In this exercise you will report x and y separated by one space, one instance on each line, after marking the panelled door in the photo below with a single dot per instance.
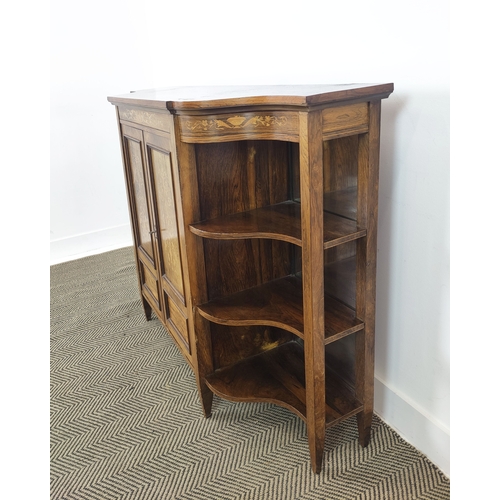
165 189
142 214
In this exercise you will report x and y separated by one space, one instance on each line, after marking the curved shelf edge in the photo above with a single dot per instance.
249 322
226 235
281 221
214 387
277 376
279 303
278 222
276 303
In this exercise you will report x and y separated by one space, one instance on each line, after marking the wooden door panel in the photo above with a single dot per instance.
150 288
177 325
164 193
137 184
143 221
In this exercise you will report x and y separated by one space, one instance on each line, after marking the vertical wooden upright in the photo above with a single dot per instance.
199 328
311 193
366 268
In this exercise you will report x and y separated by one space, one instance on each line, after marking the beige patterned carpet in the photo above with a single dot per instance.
126 422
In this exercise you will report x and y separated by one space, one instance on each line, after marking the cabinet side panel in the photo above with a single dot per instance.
340 273
340 177
340 158
340 357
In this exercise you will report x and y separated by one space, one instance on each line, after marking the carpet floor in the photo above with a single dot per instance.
126 422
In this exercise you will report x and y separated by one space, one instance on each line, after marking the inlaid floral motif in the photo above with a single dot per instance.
237 122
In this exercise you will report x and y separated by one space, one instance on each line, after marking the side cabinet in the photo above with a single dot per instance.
254 212
152 178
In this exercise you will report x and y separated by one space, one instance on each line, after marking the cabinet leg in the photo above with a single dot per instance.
316 448
206 398
364 383
147 309
202 359
364 427
315 395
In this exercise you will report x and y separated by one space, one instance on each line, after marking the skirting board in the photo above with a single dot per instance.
82 245
413 424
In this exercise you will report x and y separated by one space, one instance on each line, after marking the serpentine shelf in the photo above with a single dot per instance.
278 376
279 303
281 222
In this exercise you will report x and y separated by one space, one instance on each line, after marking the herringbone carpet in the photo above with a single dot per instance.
126 422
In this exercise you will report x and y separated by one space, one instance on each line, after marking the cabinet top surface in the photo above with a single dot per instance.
197 98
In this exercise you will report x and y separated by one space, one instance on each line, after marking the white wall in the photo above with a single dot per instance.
101 48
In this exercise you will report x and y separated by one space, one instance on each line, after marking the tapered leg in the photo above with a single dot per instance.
364 386
147 308
364 427
204 363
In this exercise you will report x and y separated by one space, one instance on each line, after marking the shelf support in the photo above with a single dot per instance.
200 335
311 194
366 257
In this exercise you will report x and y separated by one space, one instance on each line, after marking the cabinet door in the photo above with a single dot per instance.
142 214
164 186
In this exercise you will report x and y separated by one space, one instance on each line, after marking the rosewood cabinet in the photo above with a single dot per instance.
254 214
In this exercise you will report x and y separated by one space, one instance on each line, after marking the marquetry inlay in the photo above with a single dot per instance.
282 125
160 121
237 122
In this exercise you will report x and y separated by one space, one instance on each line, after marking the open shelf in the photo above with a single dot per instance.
340 280
281 222
279 303
343 202
278 376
